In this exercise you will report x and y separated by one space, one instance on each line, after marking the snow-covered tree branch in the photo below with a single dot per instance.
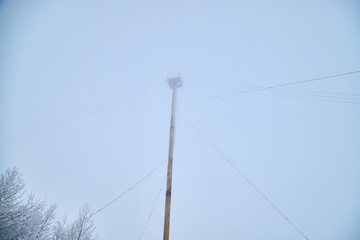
23 218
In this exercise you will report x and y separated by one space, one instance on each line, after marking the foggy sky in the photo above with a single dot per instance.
85 112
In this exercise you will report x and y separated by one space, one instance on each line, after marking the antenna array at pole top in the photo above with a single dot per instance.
174 80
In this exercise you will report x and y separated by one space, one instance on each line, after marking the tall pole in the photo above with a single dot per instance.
174 83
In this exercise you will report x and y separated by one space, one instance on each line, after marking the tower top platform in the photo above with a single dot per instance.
174 80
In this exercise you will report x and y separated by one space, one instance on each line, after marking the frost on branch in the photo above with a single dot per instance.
23 217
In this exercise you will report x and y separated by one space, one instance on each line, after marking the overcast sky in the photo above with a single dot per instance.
85 112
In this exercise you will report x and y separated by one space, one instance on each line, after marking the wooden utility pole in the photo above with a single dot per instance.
175 82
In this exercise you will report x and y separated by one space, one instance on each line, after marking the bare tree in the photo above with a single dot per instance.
48 216
22 217
60 229
12 189
81 229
